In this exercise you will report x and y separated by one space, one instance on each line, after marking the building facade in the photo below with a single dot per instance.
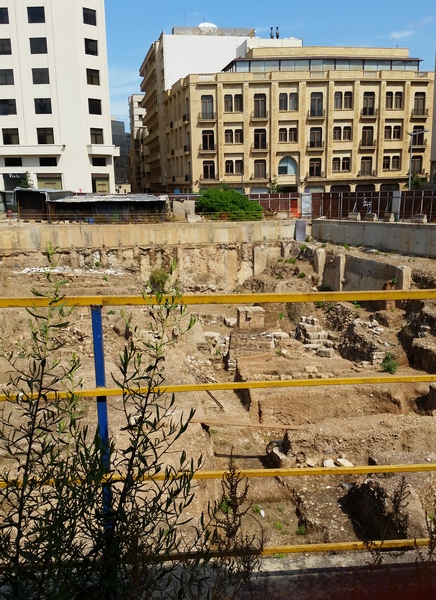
283 116
54 96
137 136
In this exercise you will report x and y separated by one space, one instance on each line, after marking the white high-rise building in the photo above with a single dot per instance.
55 117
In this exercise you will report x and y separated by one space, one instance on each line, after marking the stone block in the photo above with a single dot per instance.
353 216
370 217
343 462
328 462
230 321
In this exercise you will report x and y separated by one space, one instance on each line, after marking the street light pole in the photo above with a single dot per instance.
412 134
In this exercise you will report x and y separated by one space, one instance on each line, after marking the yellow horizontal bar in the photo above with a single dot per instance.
243 385
257 473
404 544
191 299
344 546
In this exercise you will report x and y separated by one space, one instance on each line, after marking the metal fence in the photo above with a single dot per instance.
101 392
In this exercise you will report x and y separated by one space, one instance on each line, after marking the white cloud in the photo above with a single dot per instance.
399 35
424 21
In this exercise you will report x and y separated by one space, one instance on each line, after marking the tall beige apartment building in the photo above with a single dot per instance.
300 118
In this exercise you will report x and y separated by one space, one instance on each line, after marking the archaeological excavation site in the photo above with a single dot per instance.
310 425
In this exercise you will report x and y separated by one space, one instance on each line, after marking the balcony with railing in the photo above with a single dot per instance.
369 112
315 175
367 173
207 149
318 145
315 114
207 116
259 115
259 148
367 144
419 113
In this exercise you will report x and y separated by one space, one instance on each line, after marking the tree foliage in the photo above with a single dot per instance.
229 204
70 529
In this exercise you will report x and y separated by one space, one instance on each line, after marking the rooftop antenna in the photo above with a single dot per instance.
271 33
277 33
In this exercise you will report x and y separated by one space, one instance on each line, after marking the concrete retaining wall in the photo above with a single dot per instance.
19 236
405 238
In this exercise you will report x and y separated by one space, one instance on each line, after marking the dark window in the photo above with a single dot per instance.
416 164
368 103
228 103
315 137
337 134
38 45
13 161
8 107
5 46
338 103
398 101
396 132
4 16
207 107
283 134
89 16
346 133
367 136
395 165
92 76
336 164
316 109
293 101
36 14
418 136
388 132
239 105
283 101
208 139
348 100
239 136
43 106
386 163
366 165
346 163
94 106
389 101
293 134
239 167
40 76
96 135
45 135
260 139
260 169
229 167
91 47
98 161
6 77
260 106
10 137
48 161
315 167
419 103
208 169
228 136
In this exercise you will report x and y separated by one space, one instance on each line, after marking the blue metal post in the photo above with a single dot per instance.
102 415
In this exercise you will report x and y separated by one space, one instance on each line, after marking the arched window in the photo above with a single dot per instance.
287 166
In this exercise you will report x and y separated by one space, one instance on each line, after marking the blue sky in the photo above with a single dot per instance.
133 25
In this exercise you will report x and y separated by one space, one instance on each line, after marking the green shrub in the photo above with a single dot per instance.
301 275
389 364
229 204
158 280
